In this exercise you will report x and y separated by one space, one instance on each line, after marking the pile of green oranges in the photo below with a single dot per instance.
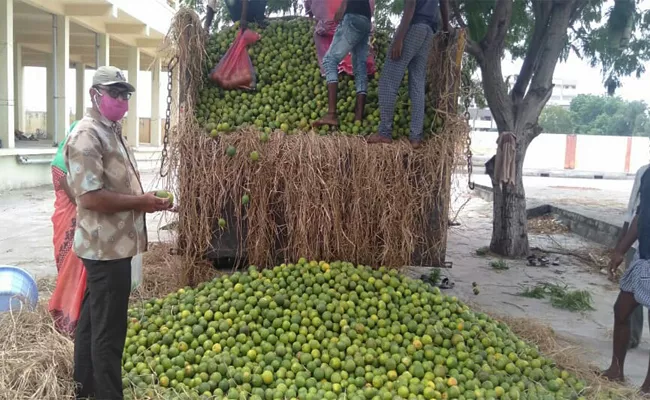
290 92
315 330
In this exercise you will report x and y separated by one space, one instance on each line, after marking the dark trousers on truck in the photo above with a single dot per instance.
101 331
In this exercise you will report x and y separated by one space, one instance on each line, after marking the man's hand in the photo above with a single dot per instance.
396 49
615 261
149 203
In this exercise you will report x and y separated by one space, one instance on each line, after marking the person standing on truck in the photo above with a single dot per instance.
244 11
409 50
110 231
352 35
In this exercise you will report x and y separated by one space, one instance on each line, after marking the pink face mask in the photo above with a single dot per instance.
113 109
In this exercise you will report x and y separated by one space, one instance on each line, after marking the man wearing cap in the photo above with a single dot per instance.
111 230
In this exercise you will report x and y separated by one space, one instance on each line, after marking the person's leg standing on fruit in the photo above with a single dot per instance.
409 51
351 35
359 58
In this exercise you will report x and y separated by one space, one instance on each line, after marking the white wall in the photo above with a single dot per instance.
546 152
593 153
601 153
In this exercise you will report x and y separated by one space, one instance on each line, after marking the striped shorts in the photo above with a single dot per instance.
636 280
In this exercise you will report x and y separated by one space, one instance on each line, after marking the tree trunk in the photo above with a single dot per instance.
510 224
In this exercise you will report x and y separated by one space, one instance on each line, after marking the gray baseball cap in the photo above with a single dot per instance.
108 76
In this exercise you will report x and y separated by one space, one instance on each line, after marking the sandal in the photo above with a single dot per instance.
445 283
532 261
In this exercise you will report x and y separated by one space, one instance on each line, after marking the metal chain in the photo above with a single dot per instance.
467 104
168 113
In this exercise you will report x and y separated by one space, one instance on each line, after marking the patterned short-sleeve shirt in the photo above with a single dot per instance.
98 157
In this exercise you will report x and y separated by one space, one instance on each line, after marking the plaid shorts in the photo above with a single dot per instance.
636 280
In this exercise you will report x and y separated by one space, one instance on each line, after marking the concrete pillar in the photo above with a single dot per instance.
132 121
19 100
51 81
62 62
103 49
156 137
80 99
7 113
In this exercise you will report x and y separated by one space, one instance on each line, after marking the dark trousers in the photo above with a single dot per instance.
101 331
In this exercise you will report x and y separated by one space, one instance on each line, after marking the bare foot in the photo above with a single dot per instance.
377 138
611 375
328 119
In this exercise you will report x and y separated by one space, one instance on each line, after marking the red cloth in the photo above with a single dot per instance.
65 303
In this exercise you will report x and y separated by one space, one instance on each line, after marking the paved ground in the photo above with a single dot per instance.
605 200
26 241
26 237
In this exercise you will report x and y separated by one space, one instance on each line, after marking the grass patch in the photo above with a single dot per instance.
483 251
499 265
561 296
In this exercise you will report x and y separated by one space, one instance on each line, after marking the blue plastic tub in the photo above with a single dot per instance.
17 289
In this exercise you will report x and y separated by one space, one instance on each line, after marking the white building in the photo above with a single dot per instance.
79 34
564 91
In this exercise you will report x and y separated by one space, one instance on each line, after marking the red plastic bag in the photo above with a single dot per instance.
235 69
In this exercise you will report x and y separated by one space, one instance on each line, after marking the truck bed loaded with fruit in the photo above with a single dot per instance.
258 183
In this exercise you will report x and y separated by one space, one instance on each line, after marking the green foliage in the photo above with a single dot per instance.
499 265
561 296
556 119
599 115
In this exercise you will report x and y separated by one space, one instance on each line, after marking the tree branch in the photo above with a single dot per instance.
499 24
541 85
542 11
496 91
455 9
473 49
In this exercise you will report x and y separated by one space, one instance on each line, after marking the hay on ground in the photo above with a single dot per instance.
568 356
35 359
162 272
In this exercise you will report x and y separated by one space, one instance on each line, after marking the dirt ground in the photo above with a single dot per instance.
26 241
